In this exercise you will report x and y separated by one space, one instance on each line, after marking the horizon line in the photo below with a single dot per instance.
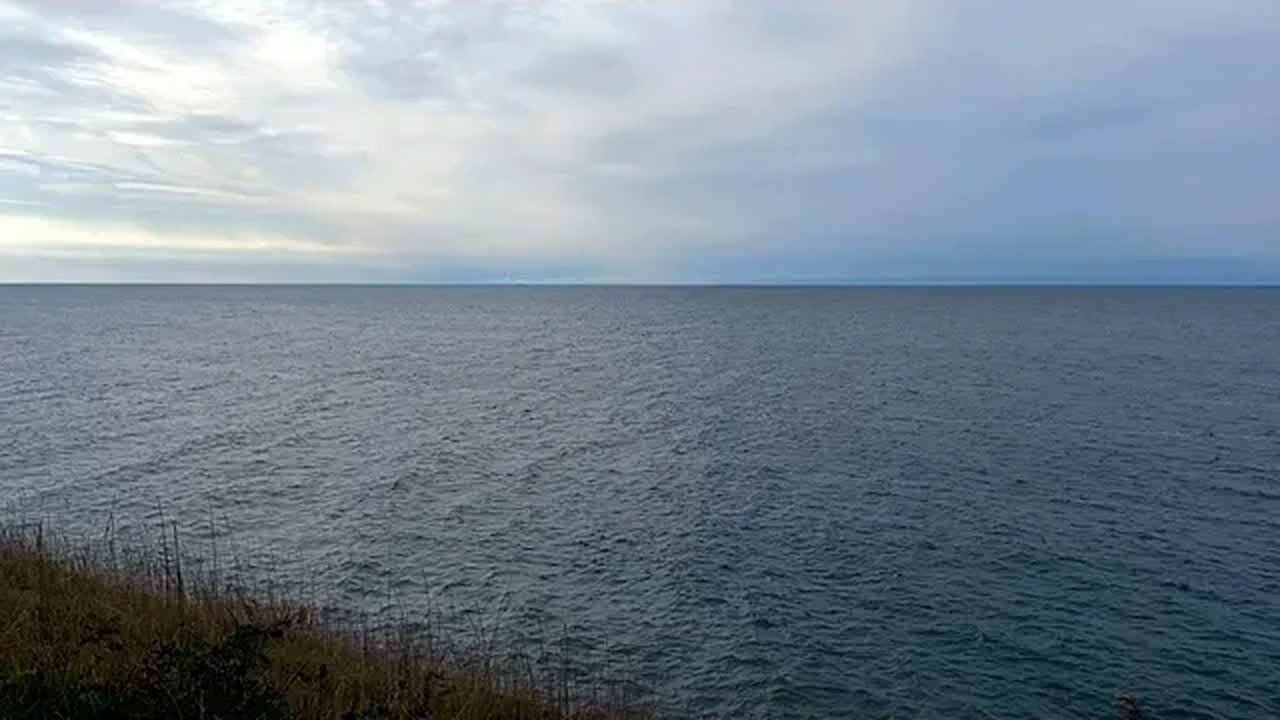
672 284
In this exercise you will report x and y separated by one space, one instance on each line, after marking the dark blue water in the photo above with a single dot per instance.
949 503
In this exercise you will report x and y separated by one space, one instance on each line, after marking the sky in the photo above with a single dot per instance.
629 141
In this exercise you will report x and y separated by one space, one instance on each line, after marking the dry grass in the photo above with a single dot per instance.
83 638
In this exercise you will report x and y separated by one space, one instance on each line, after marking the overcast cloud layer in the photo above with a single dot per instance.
640 141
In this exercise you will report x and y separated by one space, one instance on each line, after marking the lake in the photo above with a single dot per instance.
759 502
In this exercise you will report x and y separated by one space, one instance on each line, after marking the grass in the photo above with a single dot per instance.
106 636
86 637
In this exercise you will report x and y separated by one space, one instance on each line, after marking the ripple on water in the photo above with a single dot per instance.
772 503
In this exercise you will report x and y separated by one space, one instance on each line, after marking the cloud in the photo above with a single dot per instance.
667 140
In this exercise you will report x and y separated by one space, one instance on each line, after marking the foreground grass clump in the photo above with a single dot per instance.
81 638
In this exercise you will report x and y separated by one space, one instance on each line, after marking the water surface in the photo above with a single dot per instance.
945 503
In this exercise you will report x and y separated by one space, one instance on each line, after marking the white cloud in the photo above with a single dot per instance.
16 232
635 139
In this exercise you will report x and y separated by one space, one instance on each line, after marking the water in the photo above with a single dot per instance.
950 503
